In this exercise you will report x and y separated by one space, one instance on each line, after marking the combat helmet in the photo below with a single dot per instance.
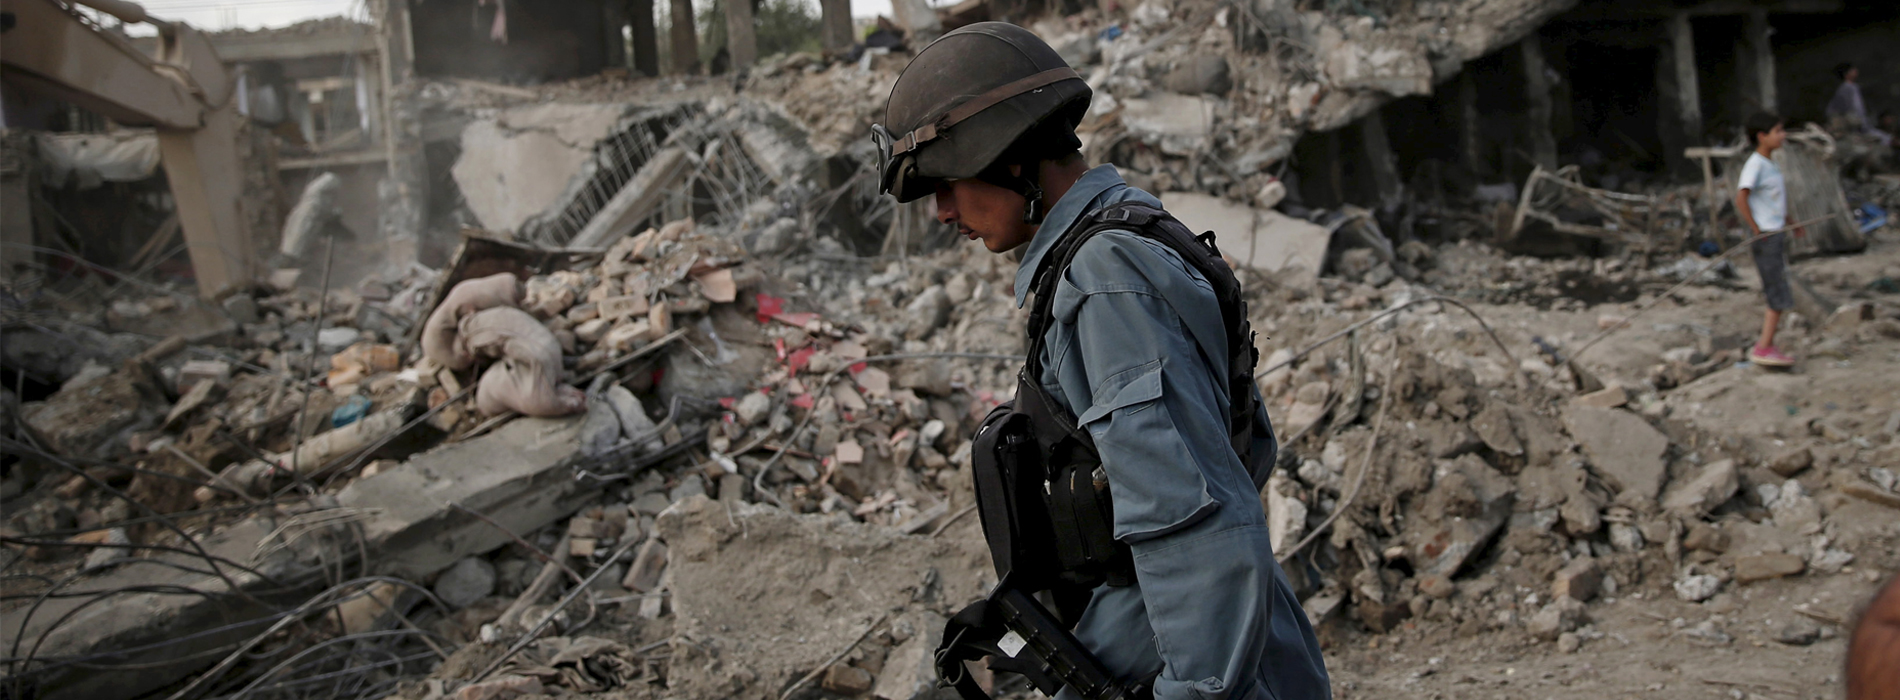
965 100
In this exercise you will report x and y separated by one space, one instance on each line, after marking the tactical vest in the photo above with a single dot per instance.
1041 491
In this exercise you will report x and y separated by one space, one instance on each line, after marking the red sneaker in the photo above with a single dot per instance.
1769 357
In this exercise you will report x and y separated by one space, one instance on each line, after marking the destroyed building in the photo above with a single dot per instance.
1523 452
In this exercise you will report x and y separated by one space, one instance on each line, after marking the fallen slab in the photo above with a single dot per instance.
517 475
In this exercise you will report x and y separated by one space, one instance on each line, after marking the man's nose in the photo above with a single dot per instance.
946 208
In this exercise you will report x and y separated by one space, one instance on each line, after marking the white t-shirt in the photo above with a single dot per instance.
1767 193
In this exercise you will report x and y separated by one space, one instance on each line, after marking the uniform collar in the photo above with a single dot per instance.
1072 206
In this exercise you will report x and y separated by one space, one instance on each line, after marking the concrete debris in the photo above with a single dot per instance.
685 380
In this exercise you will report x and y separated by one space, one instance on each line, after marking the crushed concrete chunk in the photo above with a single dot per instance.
1625 450
1715 483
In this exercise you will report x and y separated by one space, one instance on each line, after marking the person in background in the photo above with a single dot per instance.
1762 200
1848 110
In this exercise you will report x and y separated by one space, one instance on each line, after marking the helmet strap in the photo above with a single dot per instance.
998 174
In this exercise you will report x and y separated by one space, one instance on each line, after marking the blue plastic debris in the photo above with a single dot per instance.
1870 216
351 411
1708 249
1113 32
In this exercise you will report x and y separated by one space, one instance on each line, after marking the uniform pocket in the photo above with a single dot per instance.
1157 484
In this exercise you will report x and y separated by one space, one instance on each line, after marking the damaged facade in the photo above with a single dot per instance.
1512 397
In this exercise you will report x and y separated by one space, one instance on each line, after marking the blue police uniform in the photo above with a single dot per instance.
1136 350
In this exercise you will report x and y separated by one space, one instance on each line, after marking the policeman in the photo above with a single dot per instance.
1136 352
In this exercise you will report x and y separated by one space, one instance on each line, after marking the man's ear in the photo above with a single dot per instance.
1016 170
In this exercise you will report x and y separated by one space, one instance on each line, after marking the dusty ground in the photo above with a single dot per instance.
1647 642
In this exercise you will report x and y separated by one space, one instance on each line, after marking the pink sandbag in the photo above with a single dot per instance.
526 377
464 300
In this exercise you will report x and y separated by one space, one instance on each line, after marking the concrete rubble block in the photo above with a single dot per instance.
925 377
1791 462
1493 426
649 565
1761 567
1608 397
1794 511
616 308
516 164
1714 484
1697 587
752 408
910 671
1579 580
845 679
1624 450
501 687
466 583
1562 615
1286 513
634 421
1847 319
1263 239
1467 506
84 418
1391 63
1706 537
926 313
315 207
831 580
1175 123
1200 73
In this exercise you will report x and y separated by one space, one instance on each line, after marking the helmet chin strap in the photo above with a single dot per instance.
1033 207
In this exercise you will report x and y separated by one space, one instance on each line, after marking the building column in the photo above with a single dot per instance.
1537 94
1384 167
1755 63
405 190
684 37
1468 126
1687 95
646 42
742 34
836 25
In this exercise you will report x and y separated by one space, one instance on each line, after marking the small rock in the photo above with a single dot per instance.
1569 642
1794 511
1579 580
845 679
926 313
651 503
1559 616
1609 397
752 408
1697 588
334 339
1379 275
466 582
102 556
242 308
1790 463
1800 632
1608 321
690 486
1200 73
1846 319
1715 483
501 688
1761 567
1706 537
1437 586
1626 537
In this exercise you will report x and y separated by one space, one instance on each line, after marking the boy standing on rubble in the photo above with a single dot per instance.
1762 200
1134 359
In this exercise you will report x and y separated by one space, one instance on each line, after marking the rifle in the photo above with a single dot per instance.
1020 636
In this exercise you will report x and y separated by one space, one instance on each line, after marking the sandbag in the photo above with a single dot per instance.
464 300
526 376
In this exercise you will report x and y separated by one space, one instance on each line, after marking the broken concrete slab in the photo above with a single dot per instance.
1468 504
845 573
516 475
517 164
1263 239
636 200
86 418
1624 450
1175 123
1715 483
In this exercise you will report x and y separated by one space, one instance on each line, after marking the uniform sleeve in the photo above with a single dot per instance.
1183 502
